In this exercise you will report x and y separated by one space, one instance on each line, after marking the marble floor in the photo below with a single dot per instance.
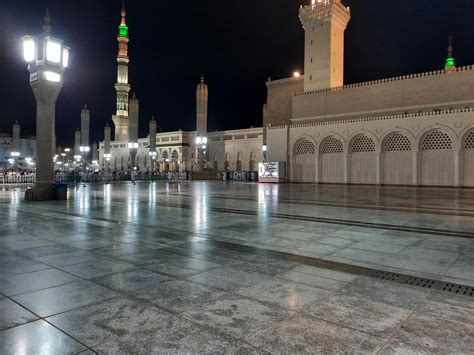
215 267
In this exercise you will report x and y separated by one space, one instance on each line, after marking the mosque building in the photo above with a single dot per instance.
411 130
200 150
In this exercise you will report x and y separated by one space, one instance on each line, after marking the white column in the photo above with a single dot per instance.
318 169
347 169
416 168
458 173
379 167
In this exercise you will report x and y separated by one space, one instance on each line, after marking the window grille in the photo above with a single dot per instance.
437 140
332 145
304 147
363 144
397 142
469 142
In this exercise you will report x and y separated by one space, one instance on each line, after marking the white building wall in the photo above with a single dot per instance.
432 149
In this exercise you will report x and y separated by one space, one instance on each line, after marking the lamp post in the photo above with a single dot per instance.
48 58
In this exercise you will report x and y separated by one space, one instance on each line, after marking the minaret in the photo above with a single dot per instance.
95 153
133 129
16 139
324 22
77 144
152 143
85 129
107 137
122 86
450 64
202 99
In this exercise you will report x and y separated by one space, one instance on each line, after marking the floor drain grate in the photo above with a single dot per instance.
459 289
420 282
355 270
384 275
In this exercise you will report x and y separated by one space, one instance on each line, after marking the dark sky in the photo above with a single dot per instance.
237 44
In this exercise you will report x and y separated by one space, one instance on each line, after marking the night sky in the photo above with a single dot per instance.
236 44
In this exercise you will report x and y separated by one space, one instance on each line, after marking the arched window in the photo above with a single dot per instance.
331 145
362 144
174 155
469 141
397 142
437 140
304 147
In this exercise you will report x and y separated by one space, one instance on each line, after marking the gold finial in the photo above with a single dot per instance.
450 47
124 14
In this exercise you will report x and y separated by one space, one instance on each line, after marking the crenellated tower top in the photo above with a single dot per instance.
324 11
324 22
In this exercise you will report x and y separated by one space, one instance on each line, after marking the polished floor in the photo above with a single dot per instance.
214 267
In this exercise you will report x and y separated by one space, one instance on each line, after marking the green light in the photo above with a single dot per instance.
450 63
123 31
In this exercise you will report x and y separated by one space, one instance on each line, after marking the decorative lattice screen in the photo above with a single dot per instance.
469 142
165 155
304 147
331 145
397 142
363 144
174 155
437 140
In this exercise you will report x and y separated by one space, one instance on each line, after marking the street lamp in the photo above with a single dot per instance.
48 58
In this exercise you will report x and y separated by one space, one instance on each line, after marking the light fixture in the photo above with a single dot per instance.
66 57
264 148
132 145
296 74
52 76
29 49
53 51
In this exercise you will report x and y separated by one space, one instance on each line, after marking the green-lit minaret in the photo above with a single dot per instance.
450 64
121 118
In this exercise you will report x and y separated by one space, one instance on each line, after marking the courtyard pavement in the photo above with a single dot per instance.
215 267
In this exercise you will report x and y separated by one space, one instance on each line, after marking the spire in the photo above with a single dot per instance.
123 28
152 118
202 78
450 64
47 22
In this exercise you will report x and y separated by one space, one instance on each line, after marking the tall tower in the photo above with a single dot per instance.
122 86
77 144
202 99
133 130
324 22
85 128
107 155
152 153
16 139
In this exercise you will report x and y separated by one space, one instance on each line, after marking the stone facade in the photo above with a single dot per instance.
411 130
238 150
431 149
